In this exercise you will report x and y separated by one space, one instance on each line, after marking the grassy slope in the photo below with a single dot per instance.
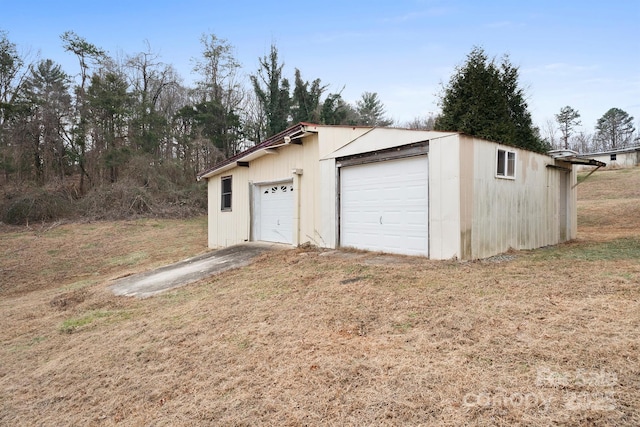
303 337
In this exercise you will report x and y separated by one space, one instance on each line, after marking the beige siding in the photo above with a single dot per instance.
229 228
333 138
467 212
328 229
444 198
523 213
232 227
314 212
311 182
280 166
376 139
572 208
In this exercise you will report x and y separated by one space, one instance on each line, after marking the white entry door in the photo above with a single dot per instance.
384 206
275 213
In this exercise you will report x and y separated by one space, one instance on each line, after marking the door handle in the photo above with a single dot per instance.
380 220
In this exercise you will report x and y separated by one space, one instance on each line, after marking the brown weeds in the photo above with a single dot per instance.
308 337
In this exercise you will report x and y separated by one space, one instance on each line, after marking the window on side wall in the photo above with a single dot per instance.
226 193
614 157
506 164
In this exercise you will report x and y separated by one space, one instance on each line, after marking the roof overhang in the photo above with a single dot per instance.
572 157
292 135
584 161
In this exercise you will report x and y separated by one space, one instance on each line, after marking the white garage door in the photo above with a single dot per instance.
275 213
384 206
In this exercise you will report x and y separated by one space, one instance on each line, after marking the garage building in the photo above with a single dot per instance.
440 195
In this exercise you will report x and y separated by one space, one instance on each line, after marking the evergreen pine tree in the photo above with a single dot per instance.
484 99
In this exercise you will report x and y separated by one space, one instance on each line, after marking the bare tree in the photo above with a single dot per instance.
148 78
253 119
218 69
582 142
549 132
422 122
14 68
220 94
171 100
13 72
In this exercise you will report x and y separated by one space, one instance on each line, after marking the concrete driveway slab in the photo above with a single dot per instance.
143 285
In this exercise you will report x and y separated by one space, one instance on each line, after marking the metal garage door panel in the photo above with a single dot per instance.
384 206
276 213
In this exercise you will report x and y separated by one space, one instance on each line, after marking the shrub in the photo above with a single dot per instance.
120 200
34 205
146 188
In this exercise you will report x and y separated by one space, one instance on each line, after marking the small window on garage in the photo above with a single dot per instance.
614 157
226 193
506 164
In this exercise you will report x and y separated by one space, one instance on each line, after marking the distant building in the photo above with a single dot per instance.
615 159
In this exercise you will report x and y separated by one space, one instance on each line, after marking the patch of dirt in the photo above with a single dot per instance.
68 300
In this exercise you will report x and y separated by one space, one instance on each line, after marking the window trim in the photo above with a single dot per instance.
223 205
506 169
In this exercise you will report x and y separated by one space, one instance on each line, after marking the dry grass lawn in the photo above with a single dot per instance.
308 337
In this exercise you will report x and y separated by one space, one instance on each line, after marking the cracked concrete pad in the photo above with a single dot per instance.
171 276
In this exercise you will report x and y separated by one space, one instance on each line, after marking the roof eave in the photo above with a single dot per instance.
281 139
582 161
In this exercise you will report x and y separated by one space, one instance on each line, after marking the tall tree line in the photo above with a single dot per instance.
613 130
93 124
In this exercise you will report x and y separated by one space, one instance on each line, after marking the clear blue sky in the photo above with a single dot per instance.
582 53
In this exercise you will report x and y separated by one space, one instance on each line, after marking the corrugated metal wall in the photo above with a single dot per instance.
444 197
473 214
520 213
